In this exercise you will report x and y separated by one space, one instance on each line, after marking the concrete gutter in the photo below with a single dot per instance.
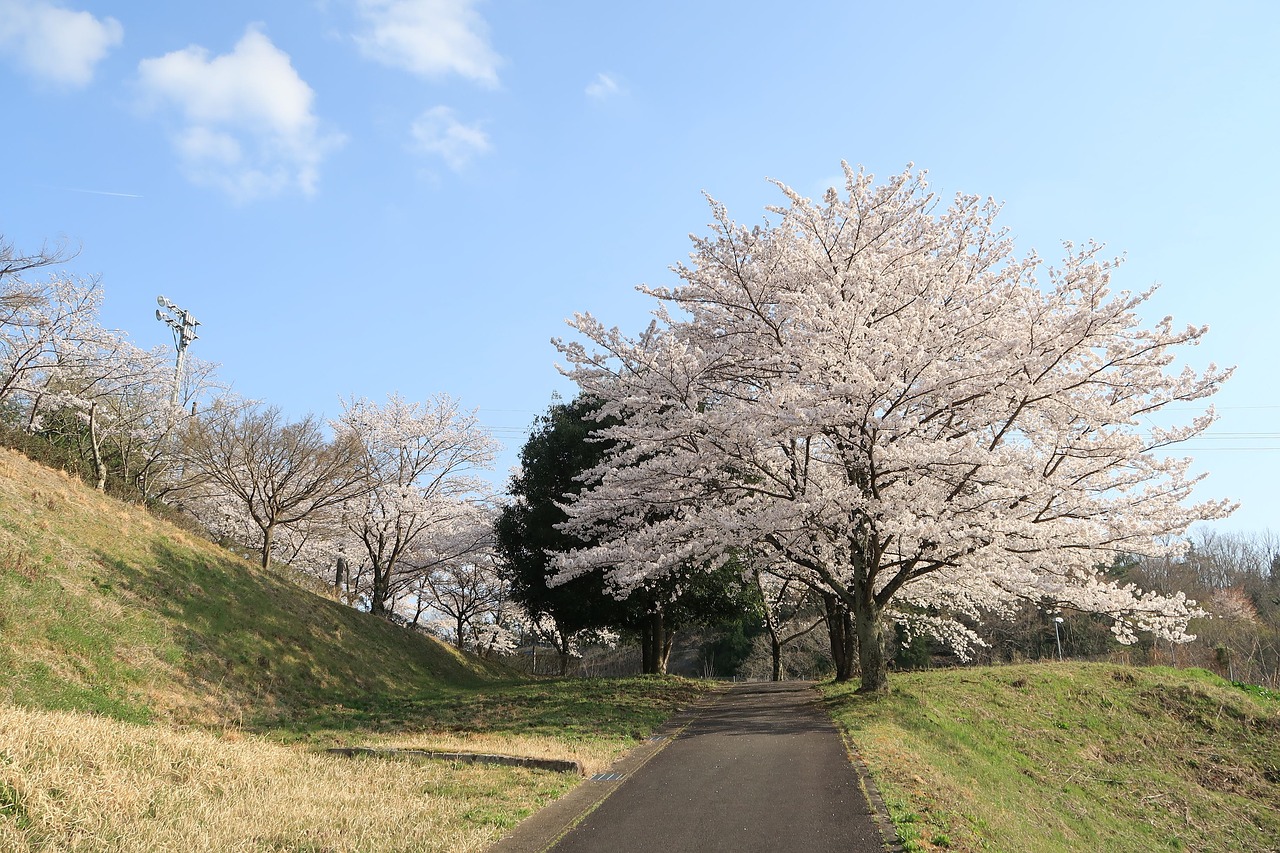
879 810
555 764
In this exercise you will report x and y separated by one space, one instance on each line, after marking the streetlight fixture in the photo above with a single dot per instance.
184 332
1057 620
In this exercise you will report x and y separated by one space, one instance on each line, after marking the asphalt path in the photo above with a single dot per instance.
761 770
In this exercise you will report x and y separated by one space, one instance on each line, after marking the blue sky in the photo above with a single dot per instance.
370 196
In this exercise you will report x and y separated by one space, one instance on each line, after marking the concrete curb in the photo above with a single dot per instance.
543 828
556 764
879 811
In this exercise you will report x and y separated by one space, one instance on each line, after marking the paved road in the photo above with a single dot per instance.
761 770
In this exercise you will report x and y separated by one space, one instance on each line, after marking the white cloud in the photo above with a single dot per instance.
438 132
604 86
248 126
53 43
431 38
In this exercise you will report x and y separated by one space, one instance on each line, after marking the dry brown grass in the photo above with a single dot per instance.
74 782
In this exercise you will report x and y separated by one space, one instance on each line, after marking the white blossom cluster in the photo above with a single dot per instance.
876 392
423 512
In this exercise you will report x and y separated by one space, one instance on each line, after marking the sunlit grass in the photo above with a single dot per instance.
1068 757
77 782
591 721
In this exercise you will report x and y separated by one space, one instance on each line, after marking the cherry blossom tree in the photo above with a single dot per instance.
875 390
112 399
462 596
43 323
145 427
102 387
80 386
422 506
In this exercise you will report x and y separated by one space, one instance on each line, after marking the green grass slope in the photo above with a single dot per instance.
104 608
1071 757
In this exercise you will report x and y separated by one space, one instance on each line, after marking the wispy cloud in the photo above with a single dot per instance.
438 132
430 38
247 125
604 86
54 44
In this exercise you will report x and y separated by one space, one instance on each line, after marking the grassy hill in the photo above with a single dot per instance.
159 693
1052 758
107 609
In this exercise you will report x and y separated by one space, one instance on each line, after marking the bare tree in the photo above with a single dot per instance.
276 473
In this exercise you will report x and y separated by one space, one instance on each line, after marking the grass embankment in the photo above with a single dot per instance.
105 608
1058 758
159 693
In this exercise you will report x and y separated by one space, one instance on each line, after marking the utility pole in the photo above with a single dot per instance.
184 332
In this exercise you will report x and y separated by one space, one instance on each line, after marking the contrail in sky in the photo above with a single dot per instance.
94 192
102 192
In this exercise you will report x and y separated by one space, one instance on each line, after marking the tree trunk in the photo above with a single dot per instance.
871 655
655 644
268 539
776 648
562 643
381 590
668 640
99 467
343 572
841 634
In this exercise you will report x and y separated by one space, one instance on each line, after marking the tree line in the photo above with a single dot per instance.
865 427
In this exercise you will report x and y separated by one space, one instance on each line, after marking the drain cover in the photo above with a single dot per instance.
606 777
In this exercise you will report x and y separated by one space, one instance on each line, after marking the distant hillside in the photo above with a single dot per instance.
1066 757
105 608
